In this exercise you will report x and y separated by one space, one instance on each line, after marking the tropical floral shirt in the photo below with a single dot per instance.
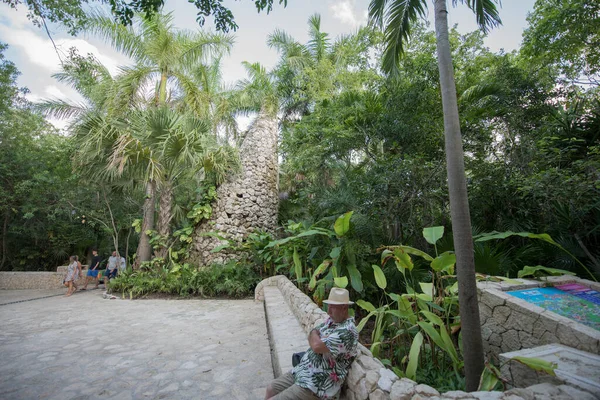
324 375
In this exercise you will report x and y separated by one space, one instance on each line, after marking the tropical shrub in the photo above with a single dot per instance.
230 280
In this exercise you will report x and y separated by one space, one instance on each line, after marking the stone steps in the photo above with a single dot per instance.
286 335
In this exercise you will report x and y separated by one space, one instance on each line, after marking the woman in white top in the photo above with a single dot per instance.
72 275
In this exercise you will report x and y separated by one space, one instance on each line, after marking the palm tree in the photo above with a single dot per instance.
153 145
396 18
165 59
308 72
177 145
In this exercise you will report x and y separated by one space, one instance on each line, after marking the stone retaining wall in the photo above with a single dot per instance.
509 323
369 379
36 280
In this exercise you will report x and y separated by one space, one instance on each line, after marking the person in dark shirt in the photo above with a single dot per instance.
93 270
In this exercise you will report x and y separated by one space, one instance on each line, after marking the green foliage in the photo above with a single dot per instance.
537 364
203 209
564 35
539 270
543 236
231 280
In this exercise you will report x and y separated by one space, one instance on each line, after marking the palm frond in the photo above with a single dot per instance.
486 12
122 38
397 18
60 109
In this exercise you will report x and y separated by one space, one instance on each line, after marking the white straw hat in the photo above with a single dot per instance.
338 296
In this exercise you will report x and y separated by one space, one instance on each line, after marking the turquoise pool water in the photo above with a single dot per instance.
573 301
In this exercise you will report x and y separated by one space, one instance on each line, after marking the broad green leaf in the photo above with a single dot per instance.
311 232
386 255
430 330
365 305
364 320
398 372
386 362
413 251
342 224
503 235
537 364
395 313
427 288
444 261
341 282
433 234
335 252
394 296
297 264
454 288
413 356
405 308
379 277
508 280
403 261
434 319
490 377
355 277
449 345
532 271
375 349
320 270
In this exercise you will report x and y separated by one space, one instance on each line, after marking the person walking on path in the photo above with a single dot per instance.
323 368
93 269
78 272
111 268
71 275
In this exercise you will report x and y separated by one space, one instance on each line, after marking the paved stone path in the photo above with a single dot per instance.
14 296
86 347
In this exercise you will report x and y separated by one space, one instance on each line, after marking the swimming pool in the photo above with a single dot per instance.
573 301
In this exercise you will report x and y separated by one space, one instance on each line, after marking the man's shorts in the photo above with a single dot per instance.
285 389
111 274
92 272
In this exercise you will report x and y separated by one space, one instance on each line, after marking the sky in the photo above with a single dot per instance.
32 52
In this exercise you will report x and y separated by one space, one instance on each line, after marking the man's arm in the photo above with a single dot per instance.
316 344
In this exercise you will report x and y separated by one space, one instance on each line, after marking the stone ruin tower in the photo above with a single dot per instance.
249 201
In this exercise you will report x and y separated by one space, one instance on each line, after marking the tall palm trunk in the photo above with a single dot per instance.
144 250
165 213
459 207
248 202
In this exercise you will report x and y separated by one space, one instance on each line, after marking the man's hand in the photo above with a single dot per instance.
316 344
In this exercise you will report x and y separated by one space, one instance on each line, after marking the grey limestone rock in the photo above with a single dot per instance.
426 390
402 389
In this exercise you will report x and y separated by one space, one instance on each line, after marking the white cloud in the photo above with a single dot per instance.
39 50
54 92
348 13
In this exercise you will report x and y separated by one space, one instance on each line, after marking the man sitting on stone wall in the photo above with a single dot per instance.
323 368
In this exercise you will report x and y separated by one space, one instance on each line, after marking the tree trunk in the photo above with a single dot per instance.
127 243
165 213
144 250
459 207
165 209
249 201
4 239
